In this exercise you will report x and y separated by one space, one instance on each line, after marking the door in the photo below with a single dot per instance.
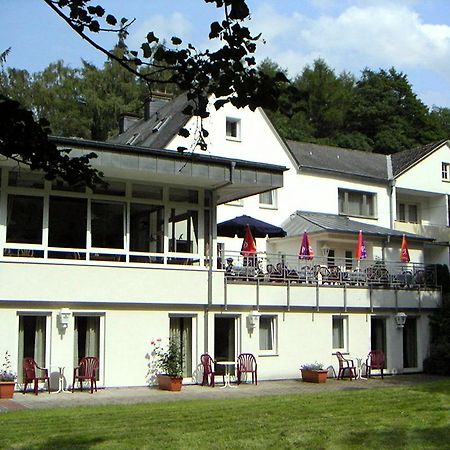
32 340
378 335
87 337
181 330
410 343
225 339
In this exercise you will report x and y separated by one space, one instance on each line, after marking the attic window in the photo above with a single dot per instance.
446 171
132 139
233 129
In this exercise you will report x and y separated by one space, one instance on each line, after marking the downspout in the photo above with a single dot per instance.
211 252
390 188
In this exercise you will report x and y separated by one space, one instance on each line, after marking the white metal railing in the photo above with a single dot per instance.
321 270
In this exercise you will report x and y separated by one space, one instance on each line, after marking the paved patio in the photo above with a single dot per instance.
115 396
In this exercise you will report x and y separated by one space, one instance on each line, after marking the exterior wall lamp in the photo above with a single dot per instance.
400 319
252 320
64 317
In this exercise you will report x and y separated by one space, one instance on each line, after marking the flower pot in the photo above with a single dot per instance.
7 389
169 383
314 376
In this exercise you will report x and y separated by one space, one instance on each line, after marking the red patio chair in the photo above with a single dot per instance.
86 371
345 365
246 363
33 373
375 360
208 369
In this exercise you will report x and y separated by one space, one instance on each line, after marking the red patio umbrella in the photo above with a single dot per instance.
248 246
361 250
404 252
306 251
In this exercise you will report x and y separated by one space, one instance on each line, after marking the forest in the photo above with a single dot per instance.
376 111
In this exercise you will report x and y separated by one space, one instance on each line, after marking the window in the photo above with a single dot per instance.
25 215
267 334
183 231
348 260
356 203
146 228
233 129
446 171
340 332
183 195
407 213
107 224
67 213
331 258
268 199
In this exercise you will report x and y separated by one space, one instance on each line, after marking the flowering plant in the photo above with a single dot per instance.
167 361
6 374
312 366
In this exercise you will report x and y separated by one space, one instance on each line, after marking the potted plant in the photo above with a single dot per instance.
168 364
7 378
314 373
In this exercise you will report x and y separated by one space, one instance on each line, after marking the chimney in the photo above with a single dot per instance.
155 102
126 120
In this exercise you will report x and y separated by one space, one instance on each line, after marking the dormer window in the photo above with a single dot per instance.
233 129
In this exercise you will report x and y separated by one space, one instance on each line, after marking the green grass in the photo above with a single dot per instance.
397 418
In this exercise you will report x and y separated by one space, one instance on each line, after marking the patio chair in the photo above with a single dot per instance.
32 373
246 363
345 365
375 360
208 370
86 371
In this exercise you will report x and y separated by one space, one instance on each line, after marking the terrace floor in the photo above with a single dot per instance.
111 396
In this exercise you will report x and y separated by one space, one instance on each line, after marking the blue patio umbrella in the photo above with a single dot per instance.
259 229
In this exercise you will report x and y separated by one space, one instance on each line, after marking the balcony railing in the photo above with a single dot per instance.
321 270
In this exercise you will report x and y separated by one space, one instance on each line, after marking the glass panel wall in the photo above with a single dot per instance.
24 221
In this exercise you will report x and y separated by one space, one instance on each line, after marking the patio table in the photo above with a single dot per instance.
228 365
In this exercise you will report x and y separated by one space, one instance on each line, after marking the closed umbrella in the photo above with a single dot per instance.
404 252
306 251
361 250
248 246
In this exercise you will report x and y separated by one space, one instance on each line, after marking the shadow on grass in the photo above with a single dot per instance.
66 443
399 438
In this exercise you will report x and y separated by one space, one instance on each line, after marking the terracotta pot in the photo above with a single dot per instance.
169 383
7 389
314 376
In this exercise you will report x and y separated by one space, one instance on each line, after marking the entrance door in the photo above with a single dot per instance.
225 339
87 337
181 330
32 340
410 343
378 334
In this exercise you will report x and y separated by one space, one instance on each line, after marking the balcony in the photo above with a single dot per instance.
438 232
320 271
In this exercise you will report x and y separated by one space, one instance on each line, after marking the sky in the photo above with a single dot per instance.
411 35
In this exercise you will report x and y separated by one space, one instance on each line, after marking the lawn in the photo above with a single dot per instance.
398 418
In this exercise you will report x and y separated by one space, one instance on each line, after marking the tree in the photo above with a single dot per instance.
387 111
228 73
25 140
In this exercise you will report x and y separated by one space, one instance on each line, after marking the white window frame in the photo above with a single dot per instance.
445 171
231 137
344 320
273 197
274 332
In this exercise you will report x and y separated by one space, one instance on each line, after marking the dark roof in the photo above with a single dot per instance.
314 222
159 129
402 161
339 160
